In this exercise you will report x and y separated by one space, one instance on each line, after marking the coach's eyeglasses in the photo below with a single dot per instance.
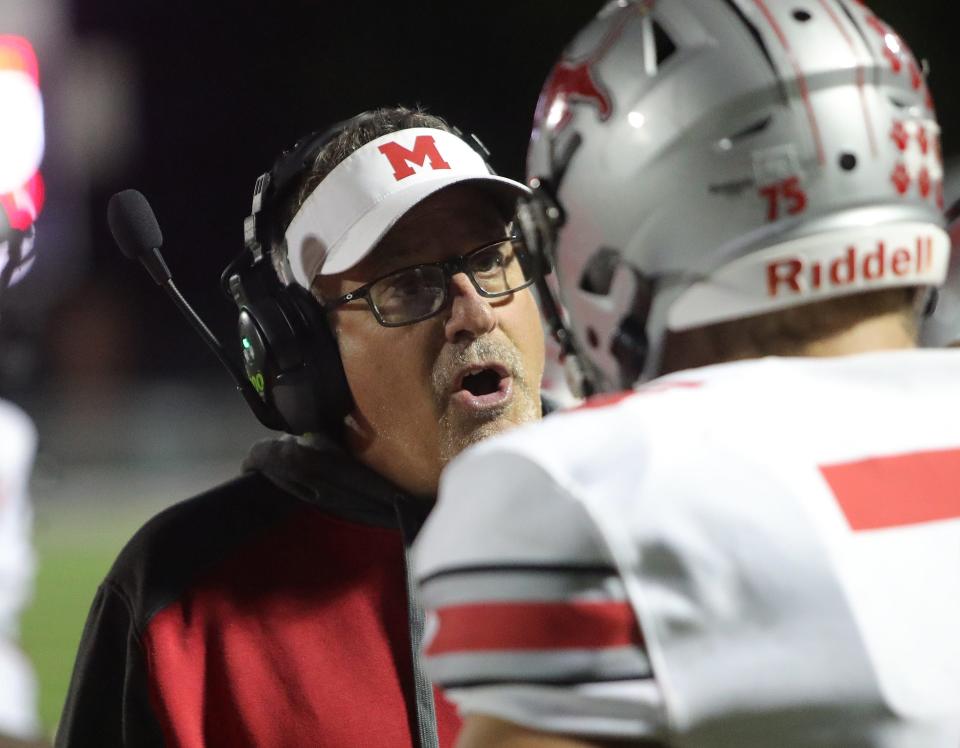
418 292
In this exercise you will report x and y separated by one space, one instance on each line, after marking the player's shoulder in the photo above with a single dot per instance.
730 408
607 426
12 416
748 387
176 546
895 367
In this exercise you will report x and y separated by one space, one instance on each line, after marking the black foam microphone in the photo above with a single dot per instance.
136 231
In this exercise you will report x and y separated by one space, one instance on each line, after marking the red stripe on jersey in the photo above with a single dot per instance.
655 388
534 626
23 205
894 491
605 400
608 399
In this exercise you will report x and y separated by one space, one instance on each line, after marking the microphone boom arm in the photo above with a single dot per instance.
244 387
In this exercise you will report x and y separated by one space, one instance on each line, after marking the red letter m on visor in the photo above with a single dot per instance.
424 148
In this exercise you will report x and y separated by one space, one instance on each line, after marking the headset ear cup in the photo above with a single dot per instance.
293 361
326 391
259 366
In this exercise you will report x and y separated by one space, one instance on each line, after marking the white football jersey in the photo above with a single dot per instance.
753 554
18 690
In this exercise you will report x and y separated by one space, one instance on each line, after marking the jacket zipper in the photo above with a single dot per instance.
423 689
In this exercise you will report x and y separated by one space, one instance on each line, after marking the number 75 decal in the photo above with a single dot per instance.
786 195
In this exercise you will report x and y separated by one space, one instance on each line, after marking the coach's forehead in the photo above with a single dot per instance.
446 223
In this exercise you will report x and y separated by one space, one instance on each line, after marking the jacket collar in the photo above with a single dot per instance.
317 470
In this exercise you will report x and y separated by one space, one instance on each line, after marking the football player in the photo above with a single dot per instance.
760 546
21 198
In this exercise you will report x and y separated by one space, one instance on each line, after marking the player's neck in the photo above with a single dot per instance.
884 332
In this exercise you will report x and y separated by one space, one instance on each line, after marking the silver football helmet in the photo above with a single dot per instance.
717 159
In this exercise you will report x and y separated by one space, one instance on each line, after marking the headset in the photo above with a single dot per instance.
290 353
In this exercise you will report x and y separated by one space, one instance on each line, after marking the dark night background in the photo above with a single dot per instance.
223 92
223 88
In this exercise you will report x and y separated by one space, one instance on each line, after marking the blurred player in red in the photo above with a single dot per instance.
21 198
762 548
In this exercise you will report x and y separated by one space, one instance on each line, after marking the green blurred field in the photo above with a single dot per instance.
75 549
107 462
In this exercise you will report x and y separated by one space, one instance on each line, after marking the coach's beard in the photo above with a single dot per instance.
458 429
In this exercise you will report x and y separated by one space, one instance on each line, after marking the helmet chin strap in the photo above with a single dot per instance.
578 379
927 300
631 348
539 219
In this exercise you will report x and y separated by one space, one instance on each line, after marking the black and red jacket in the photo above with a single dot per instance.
273 610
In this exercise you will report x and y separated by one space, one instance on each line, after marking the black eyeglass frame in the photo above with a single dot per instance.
450 268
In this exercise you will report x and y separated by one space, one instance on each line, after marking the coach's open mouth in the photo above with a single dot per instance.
483 386
482 382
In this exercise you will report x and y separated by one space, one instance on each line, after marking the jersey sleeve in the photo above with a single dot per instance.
527 618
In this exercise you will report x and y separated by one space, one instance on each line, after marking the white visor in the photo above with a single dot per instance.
351 210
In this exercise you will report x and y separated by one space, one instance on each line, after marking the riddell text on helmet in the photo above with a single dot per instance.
856 266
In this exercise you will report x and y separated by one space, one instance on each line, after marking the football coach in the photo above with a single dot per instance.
276 609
